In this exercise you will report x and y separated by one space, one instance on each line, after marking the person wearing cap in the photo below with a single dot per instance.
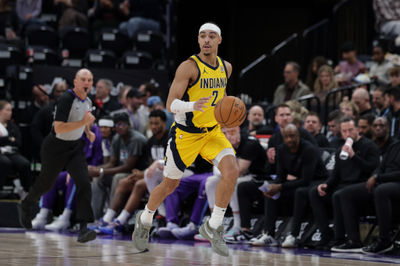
155 103
350 66
199 83
128 151
138 117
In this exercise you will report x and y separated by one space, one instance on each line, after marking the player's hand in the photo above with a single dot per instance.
88 118
322 189
370 183
201 103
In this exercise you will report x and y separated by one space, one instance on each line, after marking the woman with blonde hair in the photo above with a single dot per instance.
349 108
324 83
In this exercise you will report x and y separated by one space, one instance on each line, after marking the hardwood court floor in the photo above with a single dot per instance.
33 248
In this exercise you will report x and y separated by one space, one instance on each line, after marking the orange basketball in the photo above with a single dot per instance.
230 111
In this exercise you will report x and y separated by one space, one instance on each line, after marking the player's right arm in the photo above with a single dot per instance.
187 72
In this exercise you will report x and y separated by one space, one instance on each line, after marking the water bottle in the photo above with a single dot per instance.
264 188
343 154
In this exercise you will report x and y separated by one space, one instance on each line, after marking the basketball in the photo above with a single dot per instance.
230 111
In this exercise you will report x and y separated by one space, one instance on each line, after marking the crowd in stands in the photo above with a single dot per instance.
300 172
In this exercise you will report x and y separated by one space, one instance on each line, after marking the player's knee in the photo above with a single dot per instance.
231 172
170 185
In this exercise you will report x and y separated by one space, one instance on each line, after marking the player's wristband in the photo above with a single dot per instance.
178 106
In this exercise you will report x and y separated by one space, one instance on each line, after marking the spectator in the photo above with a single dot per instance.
155 103
313 125
324 83
387 17
256 123
105 13
394 76
384 187
394 101
293 88
349 108
133 187
251 159
128 151
102 100
379 70
360 97
143 16
64 183
138 117
334 137
365 125
9 23
298 164
363 159
72 13
283 116
380 134
350 67
313 68
107 129
379 102
29 11
10 157
122 95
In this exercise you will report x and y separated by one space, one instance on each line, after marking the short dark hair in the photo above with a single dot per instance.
368 117
346 119
121 117
348 47
295 65
282 105
394 91
335 115
314 114
158 113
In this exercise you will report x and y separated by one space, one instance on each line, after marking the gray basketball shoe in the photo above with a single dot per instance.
216 237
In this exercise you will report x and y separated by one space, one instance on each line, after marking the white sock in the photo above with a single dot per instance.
147 216
66 215
43 212
236 220
123 216
217 216
109 216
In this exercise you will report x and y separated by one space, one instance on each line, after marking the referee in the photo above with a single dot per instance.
63 149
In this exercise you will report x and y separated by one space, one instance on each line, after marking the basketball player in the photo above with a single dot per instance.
63 148
199 83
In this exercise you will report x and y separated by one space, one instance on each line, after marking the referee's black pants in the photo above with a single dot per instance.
57 155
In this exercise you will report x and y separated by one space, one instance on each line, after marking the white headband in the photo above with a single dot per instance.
210 26
106 123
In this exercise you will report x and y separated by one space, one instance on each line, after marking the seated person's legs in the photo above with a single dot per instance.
385 197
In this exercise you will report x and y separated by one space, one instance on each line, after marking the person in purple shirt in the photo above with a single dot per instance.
94 156
350 67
